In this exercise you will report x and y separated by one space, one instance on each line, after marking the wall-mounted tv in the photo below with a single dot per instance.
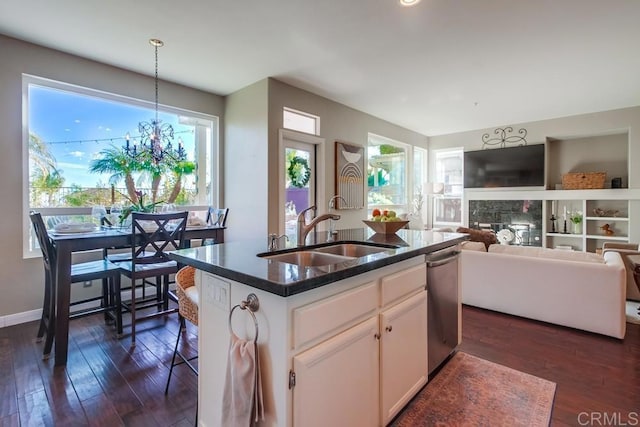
521 166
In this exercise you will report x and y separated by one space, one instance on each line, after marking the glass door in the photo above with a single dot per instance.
299 182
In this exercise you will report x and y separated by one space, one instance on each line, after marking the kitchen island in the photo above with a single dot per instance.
340 343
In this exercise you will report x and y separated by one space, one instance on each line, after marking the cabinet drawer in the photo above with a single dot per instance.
403 283
329 317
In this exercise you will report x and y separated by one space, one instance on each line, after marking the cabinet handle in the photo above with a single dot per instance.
376 336
388 328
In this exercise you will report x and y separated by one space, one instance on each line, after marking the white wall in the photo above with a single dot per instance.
21 280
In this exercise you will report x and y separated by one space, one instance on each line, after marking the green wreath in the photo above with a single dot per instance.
299 172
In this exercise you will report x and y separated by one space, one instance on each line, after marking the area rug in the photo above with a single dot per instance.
469 391
632 312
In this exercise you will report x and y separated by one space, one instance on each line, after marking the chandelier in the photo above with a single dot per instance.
155 137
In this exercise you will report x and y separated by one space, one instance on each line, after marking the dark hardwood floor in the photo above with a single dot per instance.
108 384
597 377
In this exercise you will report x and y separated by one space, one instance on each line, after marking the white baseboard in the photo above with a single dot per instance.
18 318
31 315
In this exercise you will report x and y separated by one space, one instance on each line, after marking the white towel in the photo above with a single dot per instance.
242 403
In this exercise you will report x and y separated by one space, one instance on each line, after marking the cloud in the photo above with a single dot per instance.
67 165
78 154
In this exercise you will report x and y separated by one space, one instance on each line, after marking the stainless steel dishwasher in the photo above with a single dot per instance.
442 307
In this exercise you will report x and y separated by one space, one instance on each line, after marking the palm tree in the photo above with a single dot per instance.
44 176
40 155
121 166
48 182
179 170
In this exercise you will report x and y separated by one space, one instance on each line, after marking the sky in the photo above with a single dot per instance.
71 123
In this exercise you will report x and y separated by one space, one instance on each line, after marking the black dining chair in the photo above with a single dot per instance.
215 217
103 270
153 234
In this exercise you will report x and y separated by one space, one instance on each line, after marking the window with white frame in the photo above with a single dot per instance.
447 200
74 152
420 183
300 121
388 170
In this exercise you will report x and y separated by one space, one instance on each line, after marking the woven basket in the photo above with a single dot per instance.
583 180
186 307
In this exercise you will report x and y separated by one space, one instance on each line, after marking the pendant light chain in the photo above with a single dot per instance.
156 46
156 137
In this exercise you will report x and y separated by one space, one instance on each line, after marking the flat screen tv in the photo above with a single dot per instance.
521 166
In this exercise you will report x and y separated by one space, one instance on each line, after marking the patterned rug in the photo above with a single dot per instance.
469 391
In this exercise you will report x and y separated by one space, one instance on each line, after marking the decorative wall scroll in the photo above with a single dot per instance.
504 138
349 175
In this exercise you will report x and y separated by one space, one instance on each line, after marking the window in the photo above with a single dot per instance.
447 202
420 183
387 173
69 131
300 121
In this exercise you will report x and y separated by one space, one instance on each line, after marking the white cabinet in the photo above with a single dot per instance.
336 382
351 353
403 354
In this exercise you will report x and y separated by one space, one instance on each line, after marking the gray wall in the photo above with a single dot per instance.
21 279
246 162
580 130
337 123
626 120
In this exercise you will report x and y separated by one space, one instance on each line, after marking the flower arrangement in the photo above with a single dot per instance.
575 217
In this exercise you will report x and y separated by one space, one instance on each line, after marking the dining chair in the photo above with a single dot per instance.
215 217
103 270
153 234
188 300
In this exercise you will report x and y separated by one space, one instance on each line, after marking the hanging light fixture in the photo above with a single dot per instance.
155 137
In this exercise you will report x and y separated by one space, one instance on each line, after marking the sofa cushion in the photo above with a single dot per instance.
485 236
468 245
539 252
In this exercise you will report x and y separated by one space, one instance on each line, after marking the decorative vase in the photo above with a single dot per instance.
577 228
415 221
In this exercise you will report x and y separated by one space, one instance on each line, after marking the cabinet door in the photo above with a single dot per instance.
403 354
337 380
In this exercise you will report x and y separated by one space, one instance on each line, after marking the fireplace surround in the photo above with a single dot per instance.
522 217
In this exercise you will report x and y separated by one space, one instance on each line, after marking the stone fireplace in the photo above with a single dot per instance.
522 217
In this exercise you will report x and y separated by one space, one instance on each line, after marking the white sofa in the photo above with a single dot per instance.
576 289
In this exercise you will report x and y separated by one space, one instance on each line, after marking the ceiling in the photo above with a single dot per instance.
442 66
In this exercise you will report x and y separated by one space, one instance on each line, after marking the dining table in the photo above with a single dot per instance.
67 243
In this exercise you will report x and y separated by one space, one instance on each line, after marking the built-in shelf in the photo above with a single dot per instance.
599 237
569 235
606 218
592 236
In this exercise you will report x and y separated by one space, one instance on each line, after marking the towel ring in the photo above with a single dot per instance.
251 304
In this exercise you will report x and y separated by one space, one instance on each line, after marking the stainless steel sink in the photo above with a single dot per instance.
351 249
308 258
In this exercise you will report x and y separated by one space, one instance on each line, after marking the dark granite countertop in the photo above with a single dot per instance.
239 261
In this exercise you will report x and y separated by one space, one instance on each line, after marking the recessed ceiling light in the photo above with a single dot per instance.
408 2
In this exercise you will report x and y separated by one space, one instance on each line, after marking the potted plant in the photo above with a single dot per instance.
576 218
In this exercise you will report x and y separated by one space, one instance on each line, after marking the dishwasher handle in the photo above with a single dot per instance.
437 262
